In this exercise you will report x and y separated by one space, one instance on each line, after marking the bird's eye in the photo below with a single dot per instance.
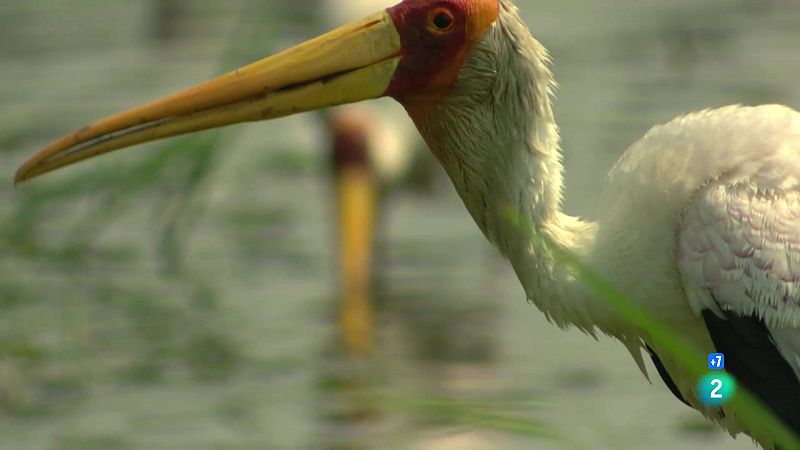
441 20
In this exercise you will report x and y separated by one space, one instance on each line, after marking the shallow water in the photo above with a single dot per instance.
188 301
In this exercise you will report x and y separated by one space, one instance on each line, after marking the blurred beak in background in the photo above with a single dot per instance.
356 191
349 64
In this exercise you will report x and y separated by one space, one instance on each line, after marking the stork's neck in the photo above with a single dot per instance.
511 185
496 137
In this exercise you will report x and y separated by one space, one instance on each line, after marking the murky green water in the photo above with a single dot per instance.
185 299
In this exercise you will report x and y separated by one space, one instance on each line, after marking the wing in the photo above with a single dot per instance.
739 259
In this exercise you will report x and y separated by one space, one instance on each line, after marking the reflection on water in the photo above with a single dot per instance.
431 364
185 297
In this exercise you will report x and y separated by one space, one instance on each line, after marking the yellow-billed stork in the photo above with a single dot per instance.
699 221
372 147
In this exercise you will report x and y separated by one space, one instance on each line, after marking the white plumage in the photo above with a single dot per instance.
713 195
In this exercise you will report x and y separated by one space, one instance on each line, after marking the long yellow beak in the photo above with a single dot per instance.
356 198
352 63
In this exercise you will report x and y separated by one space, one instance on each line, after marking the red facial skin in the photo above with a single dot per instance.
426 51
432 55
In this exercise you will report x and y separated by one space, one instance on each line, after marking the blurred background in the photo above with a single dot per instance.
187 295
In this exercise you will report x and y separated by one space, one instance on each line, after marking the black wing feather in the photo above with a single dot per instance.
666 376
752 357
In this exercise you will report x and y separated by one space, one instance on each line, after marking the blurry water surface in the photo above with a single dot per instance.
183 295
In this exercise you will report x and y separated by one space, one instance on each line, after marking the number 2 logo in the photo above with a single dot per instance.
715 389
718 385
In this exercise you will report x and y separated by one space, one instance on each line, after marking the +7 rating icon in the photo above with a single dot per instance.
716 361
